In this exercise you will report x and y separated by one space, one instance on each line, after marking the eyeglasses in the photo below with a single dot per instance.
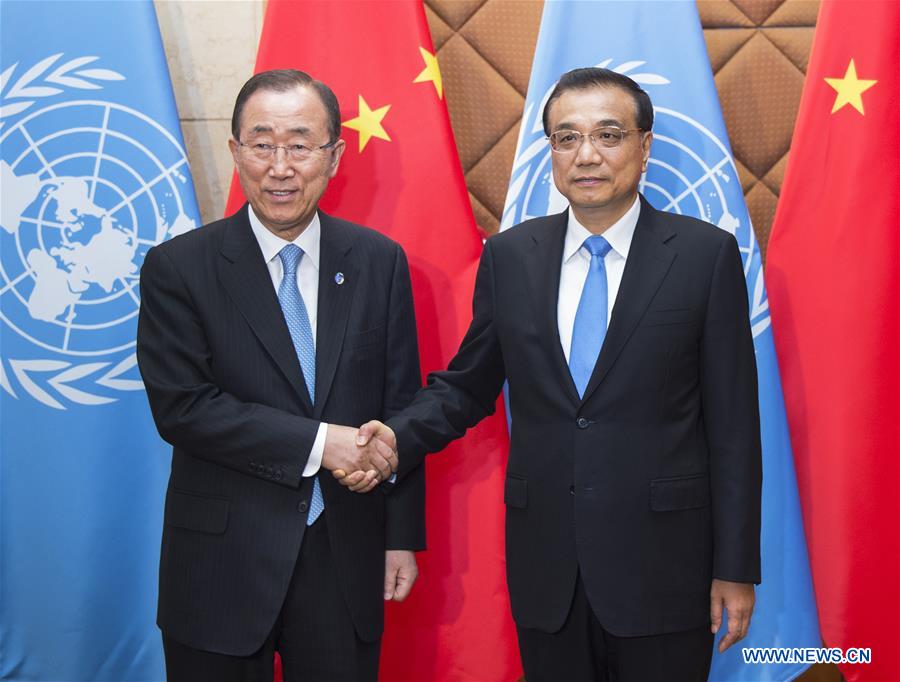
607 137
295 152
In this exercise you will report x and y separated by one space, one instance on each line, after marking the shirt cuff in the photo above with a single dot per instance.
314 463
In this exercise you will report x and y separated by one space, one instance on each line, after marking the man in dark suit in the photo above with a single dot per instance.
260 334
633 482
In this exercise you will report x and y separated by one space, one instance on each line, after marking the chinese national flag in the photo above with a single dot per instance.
833 278
401 175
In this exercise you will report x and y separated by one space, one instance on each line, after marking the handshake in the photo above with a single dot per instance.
360 458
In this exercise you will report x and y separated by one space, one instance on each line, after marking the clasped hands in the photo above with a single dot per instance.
360 458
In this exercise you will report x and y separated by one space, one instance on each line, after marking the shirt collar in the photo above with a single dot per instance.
619 234
271 244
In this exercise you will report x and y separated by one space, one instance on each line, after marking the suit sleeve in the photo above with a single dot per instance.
731 420
405 503
191 412
466 392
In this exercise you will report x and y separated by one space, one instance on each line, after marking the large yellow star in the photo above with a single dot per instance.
431 72
849 89
368 123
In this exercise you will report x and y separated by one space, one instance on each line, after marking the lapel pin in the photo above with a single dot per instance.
339 278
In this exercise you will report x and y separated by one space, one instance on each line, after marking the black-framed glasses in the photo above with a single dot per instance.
294 152
606 137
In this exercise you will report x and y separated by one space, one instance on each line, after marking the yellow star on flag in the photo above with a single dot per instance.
431 72
849 89
368 123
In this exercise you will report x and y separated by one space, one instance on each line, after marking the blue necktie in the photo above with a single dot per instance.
301 334
590 318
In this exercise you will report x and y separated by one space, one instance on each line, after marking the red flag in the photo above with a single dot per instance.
401 175
833 277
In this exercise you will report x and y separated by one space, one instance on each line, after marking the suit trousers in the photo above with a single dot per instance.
584 651
314 633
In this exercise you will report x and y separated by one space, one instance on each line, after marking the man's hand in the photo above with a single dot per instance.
371 434
738 600
400 573
372 462
378 430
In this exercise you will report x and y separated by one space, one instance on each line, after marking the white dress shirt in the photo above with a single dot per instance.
308 283
576 263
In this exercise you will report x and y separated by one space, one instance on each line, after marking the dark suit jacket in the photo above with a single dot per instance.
650 485
226 390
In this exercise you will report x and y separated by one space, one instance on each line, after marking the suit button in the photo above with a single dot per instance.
278 475
571 489
303 506
583 423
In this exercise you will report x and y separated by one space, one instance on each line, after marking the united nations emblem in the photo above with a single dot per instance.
88 186
690 171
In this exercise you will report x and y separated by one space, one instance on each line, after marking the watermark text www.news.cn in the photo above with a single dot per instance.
806 655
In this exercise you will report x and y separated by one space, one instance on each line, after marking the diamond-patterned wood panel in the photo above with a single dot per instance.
758 50
485 48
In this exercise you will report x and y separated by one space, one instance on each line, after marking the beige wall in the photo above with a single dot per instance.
211 49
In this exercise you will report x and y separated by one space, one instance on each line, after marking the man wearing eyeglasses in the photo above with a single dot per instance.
633 483
260 335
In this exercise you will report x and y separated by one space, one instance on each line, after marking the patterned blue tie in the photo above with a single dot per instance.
590 319
301 334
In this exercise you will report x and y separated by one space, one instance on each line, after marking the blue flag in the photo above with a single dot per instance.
93 173
691 171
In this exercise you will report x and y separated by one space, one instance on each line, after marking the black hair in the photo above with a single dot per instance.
581 79
282 80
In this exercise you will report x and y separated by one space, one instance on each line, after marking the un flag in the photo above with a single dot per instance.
93 173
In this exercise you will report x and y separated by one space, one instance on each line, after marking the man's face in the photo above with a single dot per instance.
601 182
284 192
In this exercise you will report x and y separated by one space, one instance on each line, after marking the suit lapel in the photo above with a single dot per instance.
543 264
335 297
649 259
245 277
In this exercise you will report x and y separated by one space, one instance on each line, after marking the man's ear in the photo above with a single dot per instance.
337 152
645 149
235 150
